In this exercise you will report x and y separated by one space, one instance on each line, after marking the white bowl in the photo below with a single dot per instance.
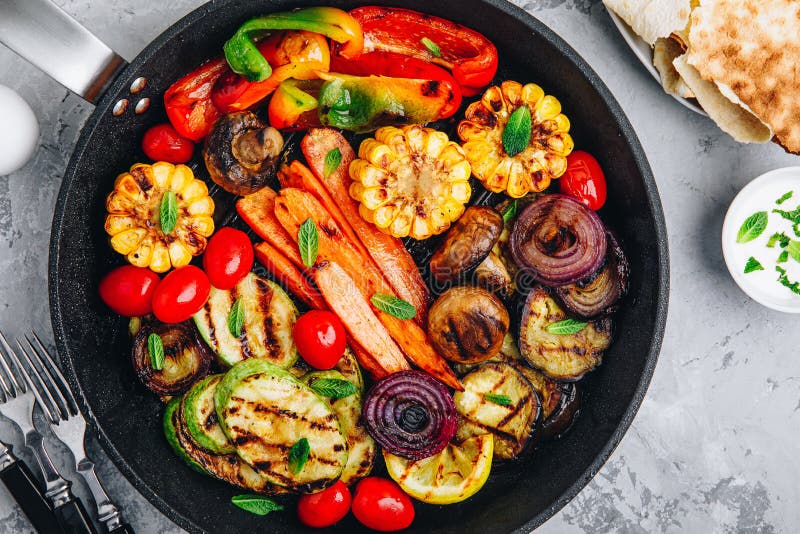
760 195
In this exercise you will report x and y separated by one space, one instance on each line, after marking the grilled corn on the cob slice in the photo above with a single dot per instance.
545 157
134 216
410 181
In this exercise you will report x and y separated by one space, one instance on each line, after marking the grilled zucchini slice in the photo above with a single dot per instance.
561 357
269 316
200 416
561 402
360 445
347 366
513 425
264 411
226 467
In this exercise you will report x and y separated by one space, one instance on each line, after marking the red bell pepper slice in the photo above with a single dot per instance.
188 103
468 54
293 54
396 65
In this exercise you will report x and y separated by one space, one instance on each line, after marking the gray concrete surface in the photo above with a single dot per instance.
714 447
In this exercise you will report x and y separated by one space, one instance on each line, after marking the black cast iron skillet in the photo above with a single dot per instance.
93 342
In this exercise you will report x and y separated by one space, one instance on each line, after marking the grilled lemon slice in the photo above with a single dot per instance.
532 169
453 475
410 181
134 216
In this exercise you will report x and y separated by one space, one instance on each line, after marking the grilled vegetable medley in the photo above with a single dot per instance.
298 344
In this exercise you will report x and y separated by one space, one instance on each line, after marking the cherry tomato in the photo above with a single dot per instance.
128 290
181 294
228 257
584 180
320 338
325 508
380 504
162 142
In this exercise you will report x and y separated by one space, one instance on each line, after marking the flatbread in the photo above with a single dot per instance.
665 51
652 19
751 47
732 118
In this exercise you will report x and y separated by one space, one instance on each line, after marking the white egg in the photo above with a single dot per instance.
19 131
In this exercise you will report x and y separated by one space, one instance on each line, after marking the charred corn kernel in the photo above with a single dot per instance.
531 170
410 181
134 218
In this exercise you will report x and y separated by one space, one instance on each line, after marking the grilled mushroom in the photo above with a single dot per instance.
467 325
241 152
467 243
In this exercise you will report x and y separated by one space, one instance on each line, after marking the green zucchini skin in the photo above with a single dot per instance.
269 318
361 446
171 433
200 417
264 411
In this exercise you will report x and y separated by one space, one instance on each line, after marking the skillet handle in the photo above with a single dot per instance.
42 33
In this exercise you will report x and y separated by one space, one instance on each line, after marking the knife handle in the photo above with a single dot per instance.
26 490
124 528
73 519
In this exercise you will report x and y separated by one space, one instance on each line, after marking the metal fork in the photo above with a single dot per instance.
61 411
17 404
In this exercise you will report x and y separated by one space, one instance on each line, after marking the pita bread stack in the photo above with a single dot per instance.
739 58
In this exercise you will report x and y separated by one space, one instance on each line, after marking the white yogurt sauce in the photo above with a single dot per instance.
761 195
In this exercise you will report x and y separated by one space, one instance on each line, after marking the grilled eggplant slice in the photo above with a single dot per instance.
513 425
360 445
186 358
269 316
264 411
561 402
561 357
467 324
347 366
200 417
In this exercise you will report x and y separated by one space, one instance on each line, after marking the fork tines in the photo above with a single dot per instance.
51 388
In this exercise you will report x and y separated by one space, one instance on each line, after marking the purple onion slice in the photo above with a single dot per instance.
558 240
600 293
410 414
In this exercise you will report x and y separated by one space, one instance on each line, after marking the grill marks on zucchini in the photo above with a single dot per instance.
269 316
561 357
512 425
200 416
264 410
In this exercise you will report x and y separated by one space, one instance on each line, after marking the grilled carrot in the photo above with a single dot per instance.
387 251
288 275
257 211
346 301
292 208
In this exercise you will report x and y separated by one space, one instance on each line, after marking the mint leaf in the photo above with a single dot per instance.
236 318
752 227
432 47
155 346
298 455
566 327
332 161
393 306
784 198
517 133
502 400
256 504
308 242
783 258
334 388
511 211
794 250
168 212
752 265
781 238
794 287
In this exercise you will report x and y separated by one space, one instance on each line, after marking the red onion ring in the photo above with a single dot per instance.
558 240
410 414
